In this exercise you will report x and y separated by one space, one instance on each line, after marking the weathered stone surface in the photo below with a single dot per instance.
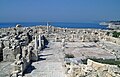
94 65
8 54
34 55
92 69
6 43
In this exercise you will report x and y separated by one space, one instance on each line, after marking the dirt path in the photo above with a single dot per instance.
50 63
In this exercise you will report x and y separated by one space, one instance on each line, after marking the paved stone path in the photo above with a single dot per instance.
50 63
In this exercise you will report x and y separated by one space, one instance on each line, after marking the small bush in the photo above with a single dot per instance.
108 33
116 34
69 56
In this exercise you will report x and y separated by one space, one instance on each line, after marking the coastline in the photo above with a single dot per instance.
56 24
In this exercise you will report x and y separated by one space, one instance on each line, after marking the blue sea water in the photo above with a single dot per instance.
56 24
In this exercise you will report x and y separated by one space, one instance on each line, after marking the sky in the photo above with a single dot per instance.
59 10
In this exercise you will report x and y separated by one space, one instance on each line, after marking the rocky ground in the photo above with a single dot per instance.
5 69
82 50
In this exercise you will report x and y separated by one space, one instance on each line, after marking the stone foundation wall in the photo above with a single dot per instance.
92 69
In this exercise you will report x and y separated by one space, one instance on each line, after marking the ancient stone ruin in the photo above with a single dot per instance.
91 69
23 45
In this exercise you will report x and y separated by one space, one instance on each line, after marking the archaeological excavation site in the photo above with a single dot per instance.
48 51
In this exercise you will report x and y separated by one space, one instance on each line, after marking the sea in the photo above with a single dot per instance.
56 24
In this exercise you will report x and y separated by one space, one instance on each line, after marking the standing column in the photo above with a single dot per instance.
47 27
39 41
53 29
43 45
35 57
63 44
72 37
36 46
56 38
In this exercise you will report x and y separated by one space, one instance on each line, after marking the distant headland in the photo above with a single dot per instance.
112 24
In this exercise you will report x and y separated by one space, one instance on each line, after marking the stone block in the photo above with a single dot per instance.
6 43
94 65
8 54
17 50
34 55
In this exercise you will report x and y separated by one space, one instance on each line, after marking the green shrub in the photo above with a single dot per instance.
108 33
104 61
116 34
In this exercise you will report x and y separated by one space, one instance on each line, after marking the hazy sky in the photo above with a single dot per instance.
59 10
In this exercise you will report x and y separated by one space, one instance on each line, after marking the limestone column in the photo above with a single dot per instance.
29 54
83 38
40 41
47 27
53 29
78 31
35 51
56 38
36 46
63 44
72 37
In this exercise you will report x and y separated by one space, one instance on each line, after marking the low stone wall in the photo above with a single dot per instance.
113 39
92 69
